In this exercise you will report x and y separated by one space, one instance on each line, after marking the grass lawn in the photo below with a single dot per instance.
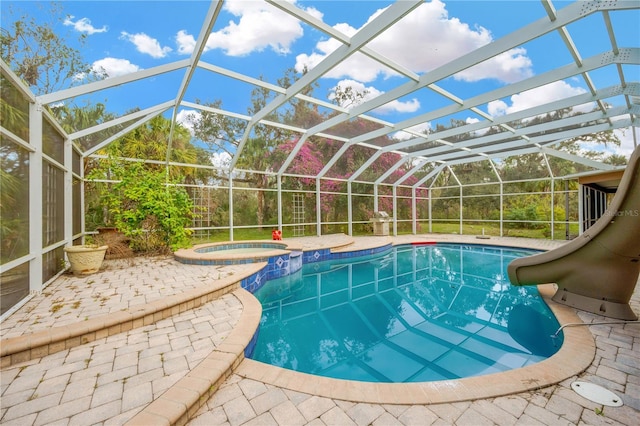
493 229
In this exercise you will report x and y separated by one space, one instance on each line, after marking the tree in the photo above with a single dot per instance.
220 133
316 152
14 109
149 142
223 134
146 142
14 212
616 160
44 60
348 97
73 118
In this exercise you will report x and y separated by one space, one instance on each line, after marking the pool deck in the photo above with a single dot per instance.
151 341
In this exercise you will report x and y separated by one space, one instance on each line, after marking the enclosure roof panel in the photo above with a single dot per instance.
432 82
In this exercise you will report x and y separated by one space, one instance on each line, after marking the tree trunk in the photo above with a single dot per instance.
260 212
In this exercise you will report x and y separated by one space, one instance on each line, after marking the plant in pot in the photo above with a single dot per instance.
85 259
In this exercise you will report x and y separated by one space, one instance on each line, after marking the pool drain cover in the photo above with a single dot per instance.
597 394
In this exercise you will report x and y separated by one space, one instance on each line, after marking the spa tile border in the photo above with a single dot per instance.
198 255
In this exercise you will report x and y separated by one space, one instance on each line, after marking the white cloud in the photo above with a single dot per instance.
399 106
260 26
114 67
187 117
402 135
473 120
146 44
509 67
626 141
538 96
186 42
358 66
430 39
498 107
370 93
83 25
220 159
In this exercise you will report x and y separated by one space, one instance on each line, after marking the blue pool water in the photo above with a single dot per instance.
412 314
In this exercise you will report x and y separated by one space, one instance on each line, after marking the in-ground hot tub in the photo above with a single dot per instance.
232 253
280 259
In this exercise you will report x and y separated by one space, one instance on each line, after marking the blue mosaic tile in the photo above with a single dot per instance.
251 346
278 266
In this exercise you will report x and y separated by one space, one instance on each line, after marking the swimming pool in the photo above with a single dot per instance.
412 314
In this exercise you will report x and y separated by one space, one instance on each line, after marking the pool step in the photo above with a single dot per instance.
363 243
343 246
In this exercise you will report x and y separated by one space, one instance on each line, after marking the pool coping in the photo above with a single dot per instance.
578 347
193 256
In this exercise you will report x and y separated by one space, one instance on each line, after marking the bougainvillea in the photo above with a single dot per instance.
315 153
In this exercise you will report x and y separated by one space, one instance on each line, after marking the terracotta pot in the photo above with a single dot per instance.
107 230
85 259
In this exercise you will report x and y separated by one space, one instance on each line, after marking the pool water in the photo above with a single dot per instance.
241 247
412 314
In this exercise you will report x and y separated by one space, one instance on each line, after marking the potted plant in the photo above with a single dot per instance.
85 259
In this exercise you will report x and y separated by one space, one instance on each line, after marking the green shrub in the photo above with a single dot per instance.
154 214
523 217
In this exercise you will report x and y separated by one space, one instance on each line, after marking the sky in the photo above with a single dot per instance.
257 39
